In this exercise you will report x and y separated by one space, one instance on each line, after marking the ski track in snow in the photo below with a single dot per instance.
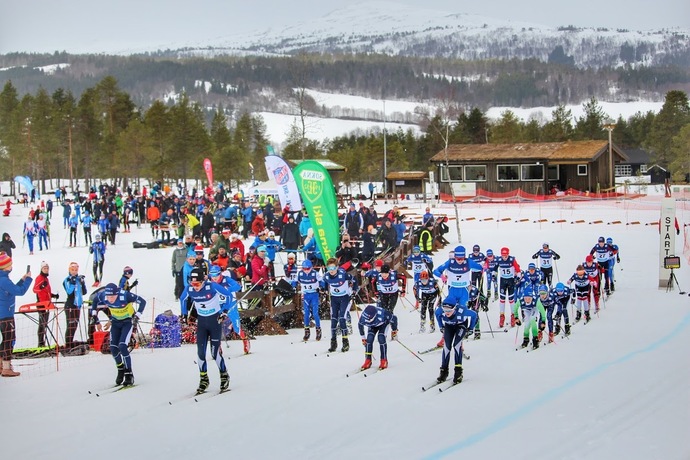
616 388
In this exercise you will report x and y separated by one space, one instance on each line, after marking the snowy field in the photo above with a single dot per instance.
617 388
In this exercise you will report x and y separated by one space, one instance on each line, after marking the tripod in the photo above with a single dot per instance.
669 285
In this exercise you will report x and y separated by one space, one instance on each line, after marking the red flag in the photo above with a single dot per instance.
208 167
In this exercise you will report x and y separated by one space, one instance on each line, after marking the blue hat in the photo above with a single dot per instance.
191 253
459 251
528 292
489 252
307 264
110 289
214 271
261 248
369 314
531 266
609 240
560 287
416 249
543 288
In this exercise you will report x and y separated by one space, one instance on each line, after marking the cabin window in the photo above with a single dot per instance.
553 172
581 170
508 172
455 173
475 173
532 172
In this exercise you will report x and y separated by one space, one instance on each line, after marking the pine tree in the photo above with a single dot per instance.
674 114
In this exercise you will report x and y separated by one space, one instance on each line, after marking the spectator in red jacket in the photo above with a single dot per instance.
43 293
258 224
260 268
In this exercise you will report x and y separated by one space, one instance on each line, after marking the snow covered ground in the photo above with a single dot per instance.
618 387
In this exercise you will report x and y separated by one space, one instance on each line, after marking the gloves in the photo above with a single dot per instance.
618 259
222 317
444 278
183 319
542 326
135 319
55 296
402 294
416 305
134 283
364 341
173 273
94 319
267 261
43 285
556 257
534 256
484 305
572 301
394 335
440 329
518 321
353 297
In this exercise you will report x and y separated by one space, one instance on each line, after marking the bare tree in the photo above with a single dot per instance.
447 111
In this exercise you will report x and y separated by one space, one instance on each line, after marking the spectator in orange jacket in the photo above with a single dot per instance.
43 293
152 215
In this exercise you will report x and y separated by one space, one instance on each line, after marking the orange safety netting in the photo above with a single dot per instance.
519 195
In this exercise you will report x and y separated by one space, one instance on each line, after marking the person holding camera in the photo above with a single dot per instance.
76 290
43 293
8 295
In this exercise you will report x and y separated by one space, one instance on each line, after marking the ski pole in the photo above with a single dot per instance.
489 321
406 348
555 265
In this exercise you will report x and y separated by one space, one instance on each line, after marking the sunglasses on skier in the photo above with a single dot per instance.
332 268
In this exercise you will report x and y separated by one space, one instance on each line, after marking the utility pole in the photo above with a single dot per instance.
385 155
610 127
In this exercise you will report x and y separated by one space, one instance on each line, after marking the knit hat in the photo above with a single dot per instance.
5 261
43 264
110 289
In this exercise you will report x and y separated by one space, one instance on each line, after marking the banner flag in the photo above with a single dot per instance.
208 167
318 195
287 187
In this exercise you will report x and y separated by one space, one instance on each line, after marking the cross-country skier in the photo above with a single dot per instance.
477 300
419 262
614 258
452 319
426 292
546 258
562 295
507 268
583 286
602 253
217 275
477 256
127 273
548 301
491 269
342 288
376 320
594 274
457 273
123 320
387 287
308 280
533 315
98 251
209 300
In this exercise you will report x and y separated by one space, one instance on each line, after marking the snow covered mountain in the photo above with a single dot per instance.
394 29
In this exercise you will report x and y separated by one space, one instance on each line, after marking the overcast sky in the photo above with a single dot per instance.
97 25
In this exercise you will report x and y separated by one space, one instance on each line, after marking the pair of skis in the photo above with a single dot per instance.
442 386
432 349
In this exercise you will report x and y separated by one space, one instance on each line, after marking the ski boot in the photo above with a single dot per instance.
550 337
120 374
477 334
334 345
613 286
513 320
457 374
367 364
307 333
224 381
535 343
246 344
495 295
557 329
540 335
422 327
129 378
432 326
587 317
443 375
318 334
525 342
346 345
567 329
501 320
488 296
203 383
384 364
578 316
